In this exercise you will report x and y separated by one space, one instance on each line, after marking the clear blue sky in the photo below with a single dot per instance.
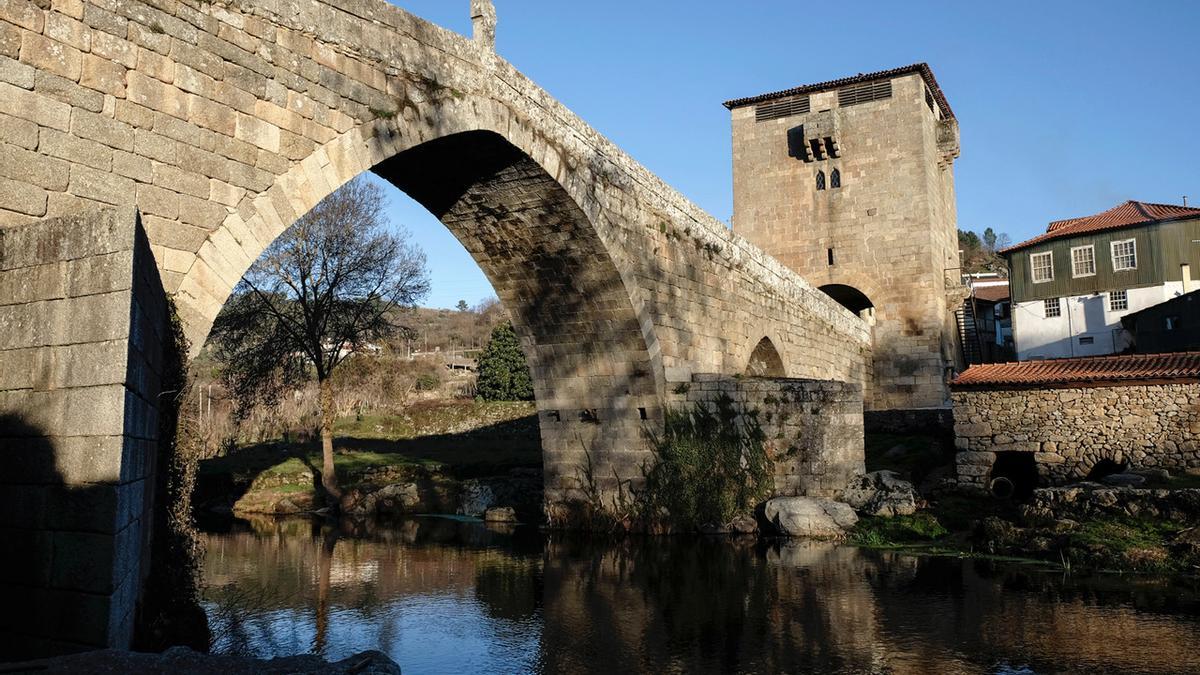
1064 109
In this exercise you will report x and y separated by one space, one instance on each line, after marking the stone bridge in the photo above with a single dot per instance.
162 145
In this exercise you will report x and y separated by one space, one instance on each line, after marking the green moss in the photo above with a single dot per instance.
919 528
1129 544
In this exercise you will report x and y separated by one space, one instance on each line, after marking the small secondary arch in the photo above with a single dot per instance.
765 361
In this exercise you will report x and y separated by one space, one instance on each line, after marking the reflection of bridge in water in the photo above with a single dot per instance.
436 594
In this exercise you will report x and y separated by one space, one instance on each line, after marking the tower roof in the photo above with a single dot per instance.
922 68
1129 214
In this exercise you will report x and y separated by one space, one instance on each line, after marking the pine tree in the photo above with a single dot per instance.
503 373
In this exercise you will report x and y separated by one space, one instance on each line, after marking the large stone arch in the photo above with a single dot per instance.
571 305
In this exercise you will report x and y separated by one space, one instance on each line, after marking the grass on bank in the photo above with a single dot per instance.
466 438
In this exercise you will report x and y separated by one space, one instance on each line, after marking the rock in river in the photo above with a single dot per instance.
881 493
810 517
500 514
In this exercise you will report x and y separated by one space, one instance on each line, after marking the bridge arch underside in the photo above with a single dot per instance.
592 373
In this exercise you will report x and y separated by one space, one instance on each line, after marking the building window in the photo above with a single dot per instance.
1124 255
835 179
1118 301
1041 267
864 92
1052 307
1087 340
820 180
1172 322
1083 261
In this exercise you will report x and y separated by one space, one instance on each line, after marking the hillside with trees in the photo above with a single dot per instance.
981 253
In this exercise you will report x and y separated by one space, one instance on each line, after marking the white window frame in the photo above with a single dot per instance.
1057 308
1112 300
1033 267
1113 250
1075 273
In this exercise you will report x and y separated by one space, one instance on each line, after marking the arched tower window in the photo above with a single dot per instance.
835 179
820 180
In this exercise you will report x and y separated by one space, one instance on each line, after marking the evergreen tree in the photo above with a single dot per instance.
503 373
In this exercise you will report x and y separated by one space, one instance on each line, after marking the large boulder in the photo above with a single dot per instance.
500 514
881 493
810 517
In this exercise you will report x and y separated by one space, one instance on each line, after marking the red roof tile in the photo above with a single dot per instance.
1129 214
922 68
1183 365
992 293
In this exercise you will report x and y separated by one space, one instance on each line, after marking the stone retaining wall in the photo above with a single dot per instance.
814 428
1092 501
1070 430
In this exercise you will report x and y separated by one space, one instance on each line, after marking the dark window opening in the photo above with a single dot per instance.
835 179
818 149
831 148
1087 340
1172 322
553 415
820 180
797 146
830 253
642 413
589 415
1014 475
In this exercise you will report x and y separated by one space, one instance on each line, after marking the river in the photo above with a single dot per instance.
441 595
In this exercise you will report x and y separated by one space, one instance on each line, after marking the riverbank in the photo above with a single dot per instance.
1151 529
437 457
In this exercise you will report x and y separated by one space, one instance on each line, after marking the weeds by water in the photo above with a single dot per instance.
710 465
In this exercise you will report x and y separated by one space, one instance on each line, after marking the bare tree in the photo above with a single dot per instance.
331 284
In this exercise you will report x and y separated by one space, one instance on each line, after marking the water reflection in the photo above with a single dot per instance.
445 596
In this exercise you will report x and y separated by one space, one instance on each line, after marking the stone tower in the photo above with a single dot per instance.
851 184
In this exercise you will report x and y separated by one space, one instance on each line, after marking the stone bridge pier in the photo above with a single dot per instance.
193 133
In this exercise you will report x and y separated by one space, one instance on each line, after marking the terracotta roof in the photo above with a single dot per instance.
1183 365
922 68
992 293
1129 214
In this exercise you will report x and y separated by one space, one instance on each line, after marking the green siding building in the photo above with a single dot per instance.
1071 286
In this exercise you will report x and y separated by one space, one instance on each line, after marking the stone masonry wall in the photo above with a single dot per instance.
83 315
891 226
1070 430
814 428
